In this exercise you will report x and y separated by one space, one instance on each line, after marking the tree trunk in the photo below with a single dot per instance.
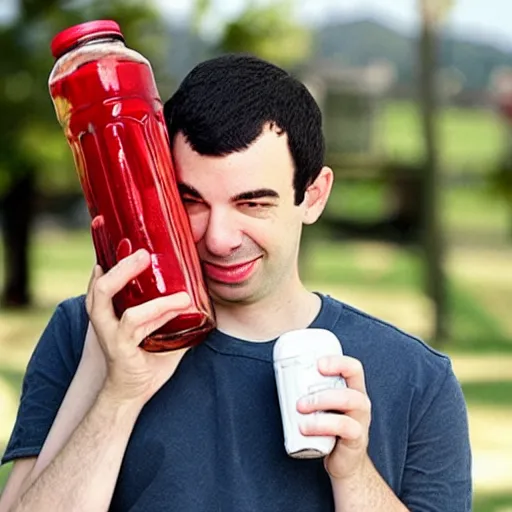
432 235
18 207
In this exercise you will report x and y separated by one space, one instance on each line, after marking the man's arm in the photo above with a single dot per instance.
18 475
79 398
365 491
83 475
437 473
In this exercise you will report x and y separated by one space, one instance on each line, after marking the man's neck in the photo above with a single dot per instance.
269 318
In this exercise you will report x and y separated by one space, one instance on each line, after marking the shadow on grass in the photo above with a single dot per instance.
478 345
23 327
489 393
13 378
490 502
4 473
474 327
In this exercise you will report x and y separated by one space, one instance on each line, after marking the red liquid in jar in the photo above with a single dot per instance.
114 124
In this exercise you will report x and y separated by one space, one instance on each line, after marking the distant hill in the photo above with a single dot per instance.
359 42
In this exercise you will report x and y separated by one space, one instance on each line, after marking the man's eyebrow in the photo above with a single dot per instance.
188 190
260 193
256 194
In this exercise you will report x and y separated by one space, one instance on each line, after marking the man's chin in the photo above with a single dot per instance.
239 294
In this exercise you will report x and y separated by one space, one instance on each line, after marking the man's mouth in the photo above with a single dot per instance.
230 274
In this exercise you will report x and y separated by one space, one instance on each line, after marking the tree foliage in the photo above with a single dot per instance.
270 32
266 29
30 135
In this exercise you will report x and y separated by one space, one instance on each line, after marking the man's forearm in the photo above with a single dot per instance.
83 475
80 396
365 492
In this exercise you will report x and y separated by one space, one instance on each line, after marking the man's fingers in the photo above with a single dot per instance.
97 272
140 321
137 322
339 425
116 279
348 367
144 331
346 400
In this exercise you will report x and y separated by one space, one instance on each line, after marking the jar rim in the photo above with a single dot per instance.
72 36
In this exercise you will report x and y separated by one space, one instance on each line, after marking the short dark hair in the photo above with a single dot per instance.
223 104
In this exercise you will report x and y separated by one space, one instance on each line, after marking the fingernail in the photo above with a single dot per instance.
303 402
311 399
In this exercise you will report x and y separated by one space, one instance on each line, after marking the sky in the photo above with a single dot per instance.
477 19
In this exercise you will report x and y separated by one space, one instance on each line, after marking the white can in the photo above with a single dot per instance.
296 354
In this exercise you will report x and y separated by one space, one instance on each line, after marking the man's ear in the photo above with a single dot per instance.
316 195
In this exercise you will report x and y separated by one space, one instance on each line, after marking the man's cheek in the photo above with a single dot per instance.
199 225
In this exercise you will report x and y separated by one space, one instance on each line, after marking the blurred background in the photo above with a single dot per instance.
417 103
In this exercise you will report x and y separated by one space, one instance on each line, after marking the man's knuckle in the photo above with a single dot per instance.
139 332
357 429
341 425
128 320
102 287
129 315
357 367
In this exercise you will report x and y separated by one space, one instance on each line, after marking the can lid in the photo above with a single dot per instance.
314 342
69 37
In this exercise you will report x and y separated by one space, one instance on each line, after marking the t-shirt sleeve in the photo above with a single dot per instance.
47 378
437 475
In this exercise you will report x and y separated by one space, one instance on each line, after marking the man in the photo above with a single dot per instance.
104 425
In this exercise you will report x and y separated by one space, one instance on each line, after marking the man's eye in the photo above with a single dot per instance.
190 200
254 205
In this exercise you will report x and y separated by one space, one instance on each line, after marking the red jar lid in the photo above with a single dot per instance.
69 37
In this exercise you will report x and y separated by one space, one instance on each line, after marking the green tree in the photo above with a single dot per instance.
268 30
33 153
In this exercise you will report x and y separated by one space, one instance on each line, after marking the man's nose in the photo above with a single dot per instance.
222 235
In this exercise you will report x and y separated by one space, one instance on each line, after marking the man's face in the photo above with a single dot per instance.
243 217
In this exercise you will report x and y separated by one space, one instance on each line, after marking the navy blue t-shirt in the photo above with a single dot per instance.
211 439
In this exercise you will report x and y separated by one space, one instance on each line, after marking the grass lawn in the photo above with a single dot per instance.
467 213
470 139
471 142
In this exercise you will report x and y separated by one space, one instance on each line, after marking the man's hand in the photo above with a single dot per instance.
356 483
348 417
132 375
